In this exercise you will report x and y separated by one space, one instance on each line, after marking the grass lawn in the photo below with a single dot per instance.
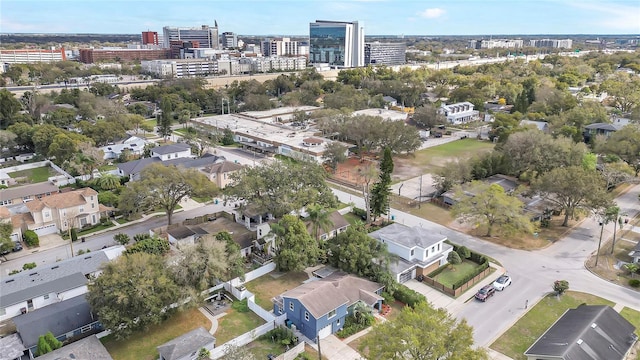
436 157
426 210
122 220
142 345
633 317
266 287
450 276
234 324
261 348
202 200
97 228
352 218
107 168
152 122
35 175
515 341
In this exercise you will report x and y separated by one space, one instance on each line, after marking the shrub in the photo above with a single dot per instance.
29 266
13 272
634 283
150 245
408 296
281 335
31 238
464 252
560 286
240 306
352 326
360 213
453 258
74 235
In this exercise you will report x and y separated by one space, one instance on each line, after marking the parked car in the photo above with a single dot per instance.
17 247
485 293
502 282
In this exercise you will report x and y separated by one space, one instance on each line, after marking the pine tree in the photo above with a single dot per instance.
164 125
381 190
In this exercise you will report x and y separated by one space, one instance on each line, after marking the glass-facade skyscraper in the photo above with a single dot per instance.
336 43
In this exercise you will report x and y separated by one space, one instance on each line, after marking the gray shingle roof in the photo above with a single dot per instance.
588 332
408 237
185 344
59 318
87 348
27 190
11 347
136 166
170 149
39 286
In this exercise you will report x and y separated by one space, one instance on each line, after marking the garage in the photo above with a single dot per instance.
46 230
405 276
324 332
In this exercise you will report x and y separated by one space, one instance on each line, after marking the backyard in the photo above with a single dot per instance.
273 284
454 273
142 345
35 175
236 323
515 341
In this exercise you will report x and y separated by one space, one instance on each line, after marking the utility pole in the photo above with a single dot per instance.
599 241
319 351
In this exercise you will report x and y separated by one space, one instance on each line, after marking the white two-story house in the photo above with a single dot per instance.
420 251
459 113
172 151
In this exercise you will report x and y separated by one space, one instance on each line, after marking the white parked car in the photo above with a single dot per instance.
502 282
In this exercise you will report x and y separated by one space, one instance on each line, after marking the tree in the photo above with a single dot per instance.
142 300
492 207
164 187
5 237
624 89
606 214
464 252
632 268
203 354
281 187
150 245
428 116
572 188
334 154
367 172
624 143
108 182
122 239
319 218
381 191
164 123
454 258
422 333
560 286
355 252
9 108
295 249
47 343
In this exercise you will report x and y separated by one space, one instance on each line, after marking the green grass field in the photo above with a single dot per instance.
453 273
35 175
515 341
234 324
435 157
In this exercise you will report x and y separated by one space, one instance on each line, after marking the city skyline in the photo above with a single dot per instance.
381 17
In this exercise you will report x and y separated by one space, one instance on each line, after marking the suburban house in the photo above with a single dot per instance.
187 346
419 251
319 308
184 235
540 125
586 332
605 129
22 194
387 114
134 145
11 347
536 206
635 254
389 101
175 154
338 225
67 320
172 151
33 289
220 172
87 348
60 211
459 113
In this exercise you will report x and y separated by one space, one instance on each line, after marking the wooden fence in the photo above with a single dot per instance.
464 287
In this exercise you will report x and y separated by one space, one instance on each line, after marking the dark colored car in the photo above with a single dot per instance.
485 293
17 247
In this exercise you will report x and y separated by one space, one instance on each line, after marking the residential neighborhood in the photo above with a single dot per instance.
204 196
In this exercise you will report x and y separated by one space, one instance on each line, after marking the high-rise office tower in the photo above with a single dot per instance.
337 43
377 53
229 40
206 36
150 38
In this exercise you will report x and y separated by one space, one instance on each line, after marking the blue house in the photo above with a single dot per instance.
319 308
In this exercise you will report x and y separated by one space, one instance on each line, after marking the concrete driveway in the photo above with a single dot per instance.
335 349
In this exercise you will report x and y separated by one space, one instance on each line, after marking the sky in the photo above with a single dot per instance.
292 17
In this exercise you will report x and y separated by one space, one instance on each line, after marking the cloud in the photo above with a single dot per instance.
614 16
432 13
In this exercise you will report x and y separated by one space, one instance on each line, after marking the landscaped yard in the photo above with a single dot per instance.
235 323
35 175
142 345
633 317
453 273
261 348
515 341
268 286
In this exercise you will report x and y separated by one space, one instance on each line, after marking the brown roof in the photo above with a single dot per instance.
4 213
337 220
321 296
222 167
18 220
312 140
27 190
62 200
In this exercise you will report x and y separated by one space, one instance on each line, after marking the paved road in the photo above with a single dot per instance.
96 242
533 272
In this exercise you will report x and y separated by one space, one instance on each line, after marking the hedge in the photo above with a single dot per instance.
408 296
31 238
475 257
464 280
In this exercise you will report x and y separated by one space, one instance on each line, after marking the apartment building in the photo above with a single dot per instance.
336 43
552 43
496 43
30 56
205 35
377 53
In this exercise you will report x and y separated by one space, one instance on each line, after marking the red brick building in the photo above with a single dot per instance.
149 38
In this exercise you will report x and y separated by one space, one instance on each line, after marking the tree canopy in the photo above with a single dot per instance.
295 248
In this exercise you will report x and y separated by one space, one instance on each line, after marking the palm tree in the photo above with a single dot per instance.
108 182
320 219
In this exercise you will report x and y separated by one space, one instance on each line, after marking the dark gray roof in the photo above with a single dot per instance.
87 348
408 237
38 287
604 127
193 163
136 166
181 232
170 149
588 332
28 190
635 252
11 347
46 279
186 344
59 318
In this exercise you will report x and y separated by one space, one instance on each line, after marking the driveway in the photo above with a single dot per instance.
334 349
